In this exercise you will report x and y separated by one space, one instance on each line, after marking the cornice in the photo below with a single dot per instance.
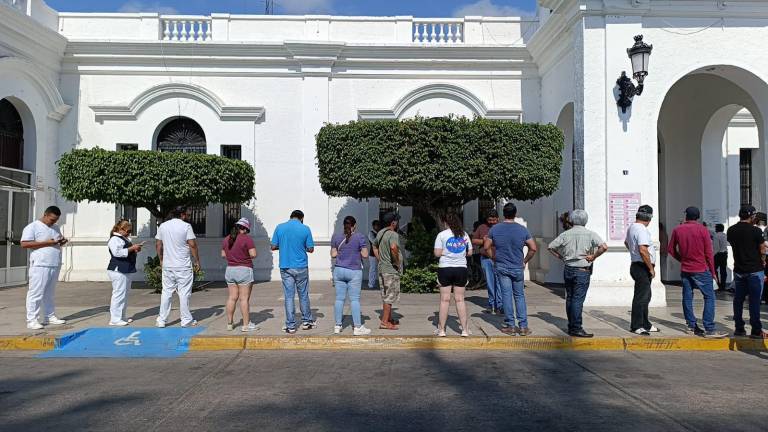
54 103
26 37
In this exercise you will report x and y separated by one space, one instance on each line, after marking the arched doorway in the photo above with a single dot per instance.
182 134
11 136
710 150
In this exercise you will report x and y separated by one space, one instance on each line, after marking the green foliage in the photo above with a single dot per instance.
154 274
439 163
154 180
419 280
420 244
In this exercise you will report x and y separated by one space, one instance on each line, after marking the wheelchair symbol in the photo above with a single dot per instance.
133 339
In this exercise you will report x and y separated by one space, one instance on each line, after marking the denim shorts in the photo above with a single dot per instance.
238 275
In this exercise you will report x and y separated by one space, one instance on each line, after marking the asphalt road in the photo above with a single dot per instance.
388 391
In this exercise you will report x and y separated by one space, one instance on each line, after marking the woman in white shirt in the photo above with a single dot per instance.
122 266
452 246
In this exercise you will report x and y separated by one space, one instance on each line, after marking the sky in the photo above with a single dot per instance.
419 8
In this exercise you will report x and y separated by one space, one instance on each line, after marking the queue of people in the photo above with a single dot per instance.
505 247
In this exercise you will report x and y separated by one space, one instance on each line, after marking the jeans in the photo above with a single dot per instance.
748 284
512 286
296 279
347 281
702 281
576 286
641 299
721 267
492 282
373 276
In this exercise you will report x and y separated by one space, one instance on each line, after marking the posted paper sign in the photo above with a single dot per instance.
622 208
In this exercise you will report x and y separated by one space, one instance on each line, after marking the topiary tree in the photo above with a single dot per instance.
157 181
438 164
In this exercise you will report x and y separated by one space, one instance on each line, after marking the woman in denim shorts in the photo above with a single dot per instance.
239 251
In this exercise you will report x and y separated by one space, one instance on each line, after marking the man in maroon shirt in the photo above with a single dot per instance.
495 305
691 244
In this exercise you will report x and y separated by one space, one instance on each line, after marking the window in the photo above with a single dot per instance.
231 210
11 136
386 207
745 176
183 134
483 207
123 211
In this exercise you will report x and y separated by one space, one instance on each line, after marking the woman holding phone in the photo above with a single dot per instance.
239 251
122 266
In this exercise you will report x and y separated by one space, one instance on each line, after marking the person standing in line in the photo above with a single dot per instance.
505 243
452 247
720 246
239 251
294 241
122 266
176 246
389 253
495 302
350 249
578 248
691 245
642 253
749 249
44 238
373 275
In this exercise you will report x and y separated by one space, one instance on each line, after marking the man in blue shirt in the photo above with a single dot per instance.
505 243
294 240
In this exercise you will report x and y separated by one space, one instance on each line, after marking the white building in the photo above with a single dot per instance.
260 87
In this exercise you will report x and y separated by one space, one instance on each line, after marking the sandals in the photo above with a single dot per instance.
388 326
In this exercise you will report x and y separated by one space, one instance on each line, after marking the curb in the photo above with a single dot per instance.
491 343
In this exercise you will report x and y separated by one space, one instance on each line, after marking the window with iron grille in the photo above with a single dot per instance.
745 176
124 211
483 207
183 134
386 207
231 210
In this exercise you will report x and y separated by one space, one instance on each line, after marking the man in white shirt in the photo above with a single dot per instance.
720 246
45 240
176 247
643 269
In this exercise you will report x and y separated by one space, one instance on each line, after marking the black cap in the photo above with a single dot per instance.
692 213
644 213
389 218
747 211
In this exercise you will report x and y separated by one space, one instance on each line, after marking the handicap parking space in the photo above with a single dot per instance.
122 342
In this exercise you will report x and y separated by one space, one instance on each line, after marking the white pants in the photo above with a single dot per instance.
179 280
121 284
42 287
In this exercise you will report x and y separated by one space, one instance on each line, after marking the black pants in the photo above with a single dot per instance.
721 267
642 277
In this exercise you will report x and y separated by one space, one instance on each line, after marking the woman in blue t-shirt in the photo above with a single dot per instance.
349 248
452 246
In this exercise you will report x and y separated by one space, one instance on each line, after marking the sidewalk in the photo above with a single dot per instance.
86 305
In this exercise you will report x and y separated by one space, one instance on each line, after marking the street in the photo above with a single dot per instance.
419 390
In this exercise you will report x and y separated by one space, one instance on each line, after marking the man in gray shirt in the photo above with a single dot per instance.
578 247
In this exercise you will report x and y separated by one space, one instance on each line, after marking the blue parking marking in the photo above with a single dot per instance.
124 342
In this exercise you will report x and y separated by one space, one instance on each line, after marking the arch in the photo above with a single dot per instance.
439 90
567 189
176 90
54 104
180 134
11 136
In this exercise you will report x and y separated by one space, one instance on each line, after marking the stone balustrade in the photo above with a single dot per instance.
185 28
438 31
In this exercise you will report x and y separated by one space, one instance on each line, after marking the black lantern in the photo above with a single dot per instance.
639 54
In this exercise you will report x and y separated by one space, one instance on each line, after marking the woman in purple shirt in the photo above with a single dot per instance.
349 248
239 251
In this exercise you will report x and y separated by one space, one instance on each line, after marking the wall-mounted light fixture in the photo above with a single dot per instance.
639 54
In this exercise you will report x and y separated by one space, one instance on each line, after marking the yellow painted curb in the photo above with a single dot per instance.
209 343
36 343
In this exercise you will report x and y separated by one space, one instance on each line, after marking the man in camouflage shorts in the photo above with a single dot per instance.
388 251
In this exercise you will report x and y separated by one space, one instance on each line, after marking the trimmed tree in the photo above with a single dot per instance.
437 165
157 181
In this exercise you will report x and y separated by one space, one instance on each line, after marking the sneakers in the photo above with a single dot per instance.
160 324
361 331
54 321
464 333
714 334
308 325
289 330
697 331
439 332
249 327
192 323
34 325
120 323
230 326
337 329
653 329
642 332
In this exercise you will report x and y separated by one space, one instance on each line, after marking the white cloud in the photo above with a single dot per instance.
141 6
302 7
488 8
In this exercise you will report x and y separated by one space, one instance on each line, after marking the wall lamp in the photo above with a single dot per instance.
639 54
